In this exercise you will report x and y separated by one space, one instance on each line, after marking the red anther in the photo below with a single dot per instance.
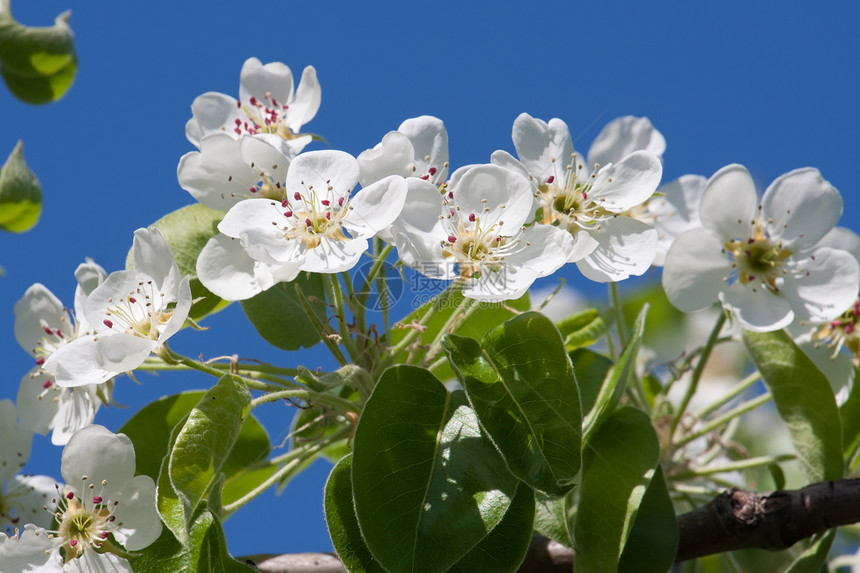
284 203
452 239
112 518
59 333
40 361
288 213
237 130
550 179
238 104
328 215
585 196
108 323
132 300
47 384
340 202
297 196
104 535
849 328
326 202
748 253
834 324
97 499
432 171
450 194
49 331
425 177
253 101
73 542
308 223
274 102
751 278
750 241
472 217
70 495
252 189
15 520
238 122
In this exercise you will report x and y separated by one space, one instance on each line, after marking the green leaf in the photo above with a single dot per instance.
582 329
20 194
427 485
618 464
849 414
37 64
342 523
506 545
280 318
591 370
522 387
804 400
187 230
653 541
613 386
205 440
813 559
550 518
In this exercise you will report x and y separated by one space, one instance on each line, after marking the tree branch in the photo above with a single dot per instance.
733 520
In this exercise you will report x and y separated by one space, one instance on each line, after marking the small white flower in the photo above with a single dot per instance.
480 236
267 104
42 325
132 312
318 227
419 148
763 261
591 204
103 512
672 210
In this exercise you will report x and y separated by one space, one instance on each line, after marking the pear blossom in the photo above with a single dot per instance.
267 104
103 512
592 205
132 313
672 210
21 496
226 171
764 261
42 325
318 227
481 238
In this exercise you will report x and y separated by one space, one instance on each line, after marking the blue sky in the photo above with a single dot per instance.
724 82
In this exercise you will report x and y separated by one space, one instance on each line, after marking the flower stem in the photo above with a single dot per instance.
468 307
170 356
321 329
619 313
336 298
315 397
738 389
438 302
697 373
725 418
747 464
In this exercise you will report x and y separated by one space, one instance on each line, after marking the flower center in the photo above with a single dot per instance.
474 247
842 331
310 216
84 521
267 116
758 259
142 313
566 200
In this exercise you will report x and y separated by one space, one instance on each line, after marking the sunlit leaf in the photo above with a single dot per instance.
20 194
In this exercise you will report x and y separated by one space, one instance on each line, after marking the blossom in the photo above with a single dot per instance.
132 313
21 497
591 204
267 104
763 261
42 325
672 210
481 238
318 227
103 511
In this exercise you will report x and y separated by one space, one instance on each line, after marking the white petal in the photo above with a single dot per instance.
211 112
321 170
121 352
628 183
30 495
759 310
624 135
583 245
376 206
803 207
78 363
626 247
77 410
307 101
99 454
15 445
508 161
332 256
257 80
694 270
153 257
180 310
546 250
538 144
37 309
495 194
823 286
430 141
33 552
394 155
141 525
89 275
37 414
506 284
675 210
226 269
842 238
729 203
92 562
251 221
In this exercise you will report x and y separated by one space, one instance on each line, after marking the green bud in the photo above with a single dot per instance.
20 194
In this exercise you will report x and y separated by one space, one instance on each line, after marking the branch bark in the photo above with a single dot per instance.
735 519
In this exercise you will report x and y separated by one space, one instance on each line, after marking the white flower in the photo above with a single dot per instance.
763 262
21 497
672 210
480 237
102 512
419 148
318 227
226 171
42 325
624 135
267 105
132 312
591 205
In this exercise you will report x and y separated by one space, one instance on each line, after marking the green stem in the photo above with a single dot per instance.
619 313
297 459
697 373
725 418
171 356
734 466
415 331
336 298
315 397
468 306
738 389
321 329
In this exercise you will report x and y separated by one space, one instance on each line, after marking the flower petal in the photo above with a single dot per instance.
675 210
91 561
375 207
305 105
495 195
15 445
37 309
394 155
258 223
621 186
546 250
822 286
624 135
842 238
321 175
626 247
227 271
430 141
258 80
77 364
509 283
30 495
122 352
137 512
729 203
32 552
99 454
333 256
543 148
803 207
694 270
210 113
153 257
757 310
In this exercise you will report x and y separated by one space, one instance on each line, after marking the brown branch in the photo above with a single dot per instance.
733 520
